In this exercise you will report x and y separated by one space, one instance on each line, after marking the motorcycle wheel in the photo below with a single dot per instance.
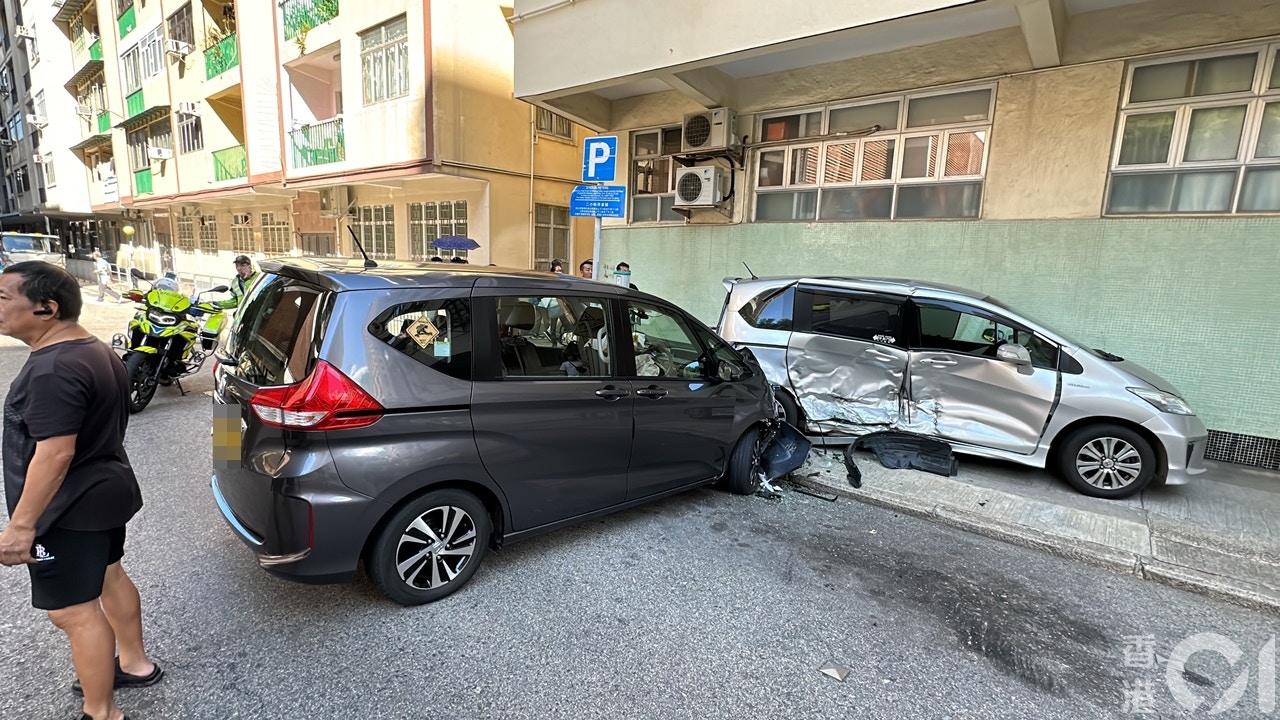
142 387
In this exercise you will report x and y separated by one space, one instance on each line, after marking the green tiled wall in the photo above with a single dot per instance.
1196 300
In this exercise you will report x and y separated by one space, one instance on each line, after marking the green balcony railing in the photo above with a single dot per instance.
318 144
142 182
221 57
302 15
128 21
95 50
134 104
104 122
230 163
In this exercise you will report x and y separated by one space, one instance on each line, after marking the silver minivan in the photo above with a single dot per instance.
849 356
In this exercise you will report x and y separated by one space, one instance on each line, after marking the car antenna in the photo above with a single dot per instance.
744 264
367 262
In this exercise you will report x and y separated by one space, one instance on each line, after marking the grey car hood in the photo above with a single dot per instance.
1146 376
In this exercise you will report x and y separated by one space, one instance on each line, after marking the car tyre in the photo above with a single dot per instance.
790 409
744 463
1107 461
430 547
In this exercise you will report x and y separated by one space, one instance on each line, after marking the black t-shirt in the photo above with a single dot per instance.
80 388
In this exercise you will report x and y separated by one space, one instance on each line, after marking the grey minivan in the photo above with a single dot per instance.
851 356
413 415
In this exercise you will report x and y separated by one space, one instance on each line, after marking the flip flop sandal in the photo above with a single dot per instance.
125 681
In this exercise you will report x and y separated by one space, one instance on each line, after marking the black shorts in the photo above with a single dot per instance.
71 565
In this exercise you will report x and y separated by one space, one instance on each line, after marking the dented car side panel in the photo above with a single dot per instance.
845 385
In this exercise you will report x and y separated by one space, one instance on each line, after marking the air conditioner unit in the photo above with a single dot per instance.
159 153
699 186
177 47
25 31
334 201
59 3
84 112
187 107
37 120
708 131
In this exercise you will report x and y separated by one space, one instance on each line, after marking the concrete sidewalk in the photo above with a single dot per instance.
1219 535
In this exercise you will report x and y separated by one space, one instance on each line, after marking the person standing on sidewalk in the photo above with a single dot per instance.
102 269
68 483
245 277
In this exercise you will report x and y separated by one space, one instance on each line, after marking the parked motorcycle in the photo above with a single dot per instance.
161 345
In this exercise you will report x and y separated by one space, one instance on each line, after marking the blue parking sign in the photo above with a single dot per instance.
600 159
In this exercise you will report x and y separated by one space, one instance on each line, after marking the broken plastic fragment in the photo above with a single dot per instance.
835 670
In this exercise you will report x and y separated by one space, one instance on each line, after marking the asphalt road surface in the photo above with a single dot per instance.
702 605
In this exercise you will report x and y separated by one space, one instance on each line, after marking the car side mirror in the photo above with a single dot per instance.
1013 353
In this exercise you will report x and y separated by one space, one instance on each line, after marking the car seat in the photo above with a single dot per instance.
593 340
518 354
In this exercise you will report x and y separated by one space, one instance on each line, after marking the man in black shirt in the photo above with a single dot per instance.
68 483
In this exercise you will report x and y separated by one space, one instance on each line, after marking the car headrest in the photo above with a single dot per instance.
592 318
521 317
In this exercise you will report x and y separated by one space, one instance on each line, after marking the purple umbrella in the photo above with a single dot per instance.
455 242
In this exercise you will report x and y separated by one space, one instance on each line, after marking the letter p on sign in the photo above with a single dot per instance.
600 159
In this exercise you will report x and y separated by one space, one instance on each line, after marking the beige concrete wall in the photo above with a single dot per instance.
587 42
1162 25
1051 143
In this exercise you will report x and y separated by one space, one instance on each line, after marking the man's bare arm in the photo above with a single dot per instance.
45 474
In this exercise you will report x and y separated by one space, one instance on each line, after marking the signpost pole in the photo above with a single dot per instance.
595 252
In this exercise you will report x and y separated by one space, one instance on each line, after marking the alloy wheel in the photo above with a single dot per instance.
1109 463
435 547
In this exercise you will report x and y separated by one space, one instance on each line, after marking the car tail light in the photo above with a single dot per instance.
326 400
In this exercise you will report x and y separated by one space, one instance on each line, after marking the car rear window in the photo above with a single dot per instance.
771 309
436 333
278 331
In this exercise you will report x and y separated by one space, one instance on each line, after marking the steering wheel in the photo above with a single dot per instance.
602 345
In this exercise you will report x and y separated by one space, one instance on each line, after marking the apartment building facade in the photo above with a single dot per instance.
216 128
1110 166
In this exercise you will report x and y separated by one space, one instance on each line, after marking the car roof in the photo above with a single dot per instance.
342 274
900 286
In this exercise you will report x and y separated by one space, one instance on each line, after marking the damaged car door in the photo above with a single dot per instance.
846 359
977 378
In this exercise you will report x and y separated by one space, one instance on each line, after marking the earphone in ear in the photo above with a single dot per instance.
45 311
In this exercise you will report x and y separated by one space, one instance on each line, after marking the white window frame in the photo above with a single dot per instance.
899 134
554 124
424 229
46 169
186 235
385 63
242 240
190 133
131 69
277 235
633 158
377 235
208 234
542 261
1254 100
151 59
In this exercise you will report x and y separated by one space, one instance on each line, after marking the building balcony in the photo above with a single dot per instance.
230 163
302 15
134 104
127 22
221 57
142 182
321 143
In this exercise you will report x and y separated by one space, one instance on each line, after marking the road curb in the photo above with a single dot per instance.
1139 565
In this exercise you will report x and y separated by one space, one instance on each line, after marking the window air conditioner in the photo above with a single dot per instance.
159 153
187 107
699 186
37 120
177 47
25 31
708 131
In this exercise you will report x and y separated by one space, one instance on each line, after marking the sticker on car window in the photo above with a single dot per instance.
887 339
423 332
